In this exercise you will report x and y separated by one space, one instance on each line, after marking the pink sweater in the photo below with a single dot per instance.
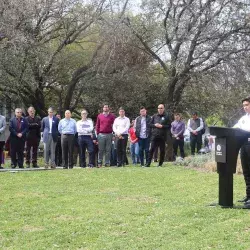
104 123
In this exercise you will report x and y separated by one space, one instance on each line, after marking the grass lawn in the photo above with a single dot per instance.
119 208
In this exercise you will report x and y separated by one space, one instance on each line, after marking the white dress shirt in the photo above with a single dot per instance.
84 127
243 123
50 125
121 125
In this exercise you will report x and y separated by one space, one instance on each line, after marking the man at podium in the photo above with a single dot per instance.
244 123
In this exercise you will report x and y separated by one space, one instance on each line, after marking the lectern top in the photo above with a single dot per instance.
228 132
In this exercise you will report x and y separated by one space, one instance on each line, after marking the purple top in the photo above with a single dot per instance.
178 128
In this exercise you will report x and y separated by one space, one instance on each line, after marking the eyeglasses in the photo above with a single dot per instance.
160 108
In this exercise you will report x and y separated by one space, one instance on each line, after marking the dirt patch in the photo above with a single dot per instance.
143 199
29 228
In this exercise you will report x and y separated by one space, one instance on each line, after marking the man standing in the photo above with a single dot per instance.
33 137
142 131
85 133
50 135
160 123
2 138
177 130
18 130
195 125
104 131
120 127
67 129
244 123
58 151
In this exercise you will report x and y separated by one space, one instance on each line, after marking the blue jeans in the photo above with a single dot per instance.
85 142
134 150
144 147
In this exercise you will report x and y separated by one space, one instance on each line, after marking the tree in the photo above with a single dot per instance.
187 38
36 36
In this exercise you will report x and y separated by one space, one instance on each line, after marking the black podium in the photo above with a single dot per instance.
227 145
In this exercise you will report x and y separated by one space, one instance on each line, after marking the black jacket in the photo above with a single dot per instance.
165 121
34 127
138 126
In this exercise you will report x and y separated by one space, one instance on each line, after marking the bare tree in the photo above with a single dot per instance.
187 37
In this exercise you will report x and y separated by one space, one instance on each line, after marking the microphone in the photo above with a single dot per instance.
236 113
230 118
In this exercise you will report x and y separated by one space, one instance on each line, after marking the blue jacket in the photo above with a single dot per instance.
45 128
13 128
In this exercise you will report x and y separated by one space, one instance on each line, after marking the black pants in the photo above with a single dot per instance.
1 152
58 153
68 142
195 142
16 152
32 143
178 144
121 145
245 162
157 142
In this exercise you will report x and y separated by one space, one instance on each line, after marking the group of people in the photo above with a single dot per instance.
146 134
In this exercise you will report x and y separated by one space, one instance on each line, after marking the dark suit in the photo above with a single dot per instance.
50 139
16 143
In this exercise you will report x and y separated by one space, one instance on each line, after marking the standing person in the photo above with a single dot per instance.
67 129
84 129
134 146
143 131
58 151
160 124
33 137
177 130
2 138
50 135
195 125
244 123
18 130
120 127
104 131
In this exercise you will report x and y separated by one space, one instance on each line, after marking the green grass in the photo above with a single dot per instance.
119 208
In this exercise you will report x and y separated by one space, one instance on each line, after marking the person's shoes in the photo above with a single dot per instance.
147 165
21 167
107 165
35 166
119 165
53 166
243 200
46 166
27 165
142 166
99 165
65 167
1 167
13 166
160 165
247 203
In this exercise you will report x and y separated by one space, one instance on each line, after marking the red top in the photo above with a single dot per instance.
133 138
104 123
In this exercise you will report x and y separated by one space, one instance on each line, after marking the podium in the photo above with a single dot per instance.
227 145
